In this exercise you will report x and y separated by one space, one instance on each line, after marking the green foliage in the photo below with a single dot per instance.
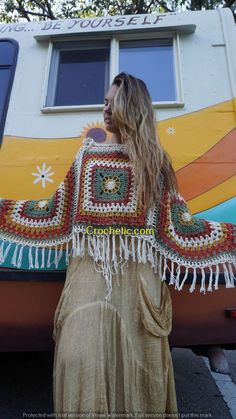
15 10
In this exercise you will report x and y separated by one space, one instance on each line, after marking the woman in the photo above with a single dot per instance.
114 357
124 229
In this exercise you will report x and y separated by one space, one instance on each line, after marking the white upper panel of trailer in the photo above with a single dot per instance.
46 30
205 53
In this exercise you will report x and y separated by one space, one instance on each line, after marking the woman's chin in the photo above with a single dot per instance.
109 128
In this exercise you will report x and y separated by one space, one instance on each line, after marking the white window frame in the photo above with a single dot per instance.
114 68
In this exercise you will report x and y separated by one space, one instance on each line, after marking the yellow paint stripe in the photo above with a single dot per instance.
215 196
19 158
24 150
195 133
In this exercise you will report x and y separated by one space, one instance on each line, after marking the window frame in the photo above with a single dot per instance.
55 56
10 84
114 66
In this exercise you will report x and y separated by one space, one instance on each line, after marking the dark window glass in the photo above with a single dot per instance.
153 62
7 52
8 58
82 75
4 82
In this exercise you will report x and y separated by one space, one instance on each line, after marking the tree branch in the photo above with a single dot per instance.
22 10
50 12
150 5
165 7
25 13
228 3
46 8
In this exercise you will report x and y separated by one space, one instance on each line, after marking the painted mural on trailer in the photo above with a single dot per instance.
206 170
200 137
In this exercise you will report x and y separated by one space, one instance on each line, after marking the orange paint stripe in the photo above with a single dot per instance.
209 170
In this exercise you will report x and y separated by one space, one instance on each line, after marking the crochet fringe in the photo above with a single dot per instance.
181 247
111 253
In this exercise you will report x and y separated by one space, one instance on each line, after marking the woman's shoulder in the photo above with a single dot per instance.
92 147
90 143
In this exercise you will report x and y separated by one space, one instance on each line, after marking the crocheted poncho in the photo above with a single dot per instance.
95 209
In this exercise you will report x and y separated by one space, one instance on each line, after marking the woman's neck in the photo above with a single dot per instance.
115 139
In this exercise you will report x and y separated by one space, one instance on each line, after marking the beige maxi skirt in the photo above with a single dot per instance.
113 358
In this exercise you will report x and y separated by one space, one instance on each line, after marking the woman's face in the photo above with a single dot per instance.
107 112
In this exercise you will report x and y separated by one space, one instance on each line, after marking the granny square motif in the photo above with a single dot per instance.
107 186
41 220
100 190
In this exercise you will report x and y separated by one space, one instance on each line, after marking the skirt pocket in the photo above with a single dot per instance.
156 320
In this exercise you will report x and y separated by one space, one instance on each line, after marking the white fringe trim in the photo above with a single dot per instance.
111 254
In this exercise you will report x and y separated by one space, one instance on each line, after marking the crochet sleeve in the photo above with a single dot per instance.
197 245
32 226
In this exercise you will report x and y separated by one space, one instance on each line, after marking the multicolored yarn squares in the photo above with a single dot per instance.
107 191
40 222
99 190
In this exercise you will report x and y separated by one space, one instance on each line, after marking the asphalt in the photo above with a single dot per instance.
26 385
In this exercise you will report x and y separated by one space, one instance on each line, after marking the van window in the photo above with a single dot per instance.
8 58
79 73
152 61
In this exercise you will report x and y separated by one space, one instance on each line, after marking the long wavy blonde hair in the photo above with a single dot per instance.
133 116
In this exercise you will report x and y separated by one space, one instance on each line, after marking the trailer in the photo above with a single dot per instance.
53 77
